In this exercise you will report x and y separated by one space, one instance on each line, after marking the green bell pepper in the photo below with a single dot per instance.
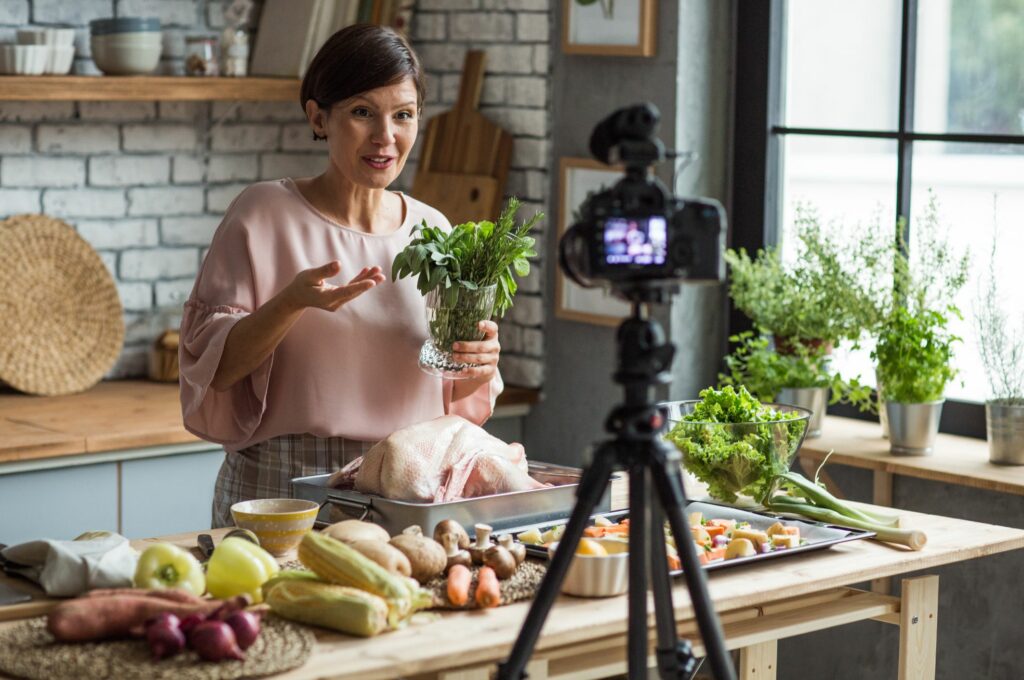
167 566
239 567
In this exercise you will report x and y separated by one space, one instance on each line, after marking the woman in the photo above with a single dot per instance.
298 353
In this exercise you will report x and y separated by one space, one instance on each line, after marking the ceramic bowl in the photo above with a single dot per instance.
279 523
46 36
60 59
122 59
593 576
27 60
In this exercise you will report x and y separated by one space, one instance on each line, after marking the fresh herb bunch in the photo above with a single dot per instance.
914 348
765 371
914 352
472 255
1002 347
736 445
831 292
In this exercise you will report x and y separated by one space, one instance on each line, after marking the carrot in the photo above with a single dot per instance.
98 618
594 532
674 563
488 592
712 555
714 530
617 529
459 578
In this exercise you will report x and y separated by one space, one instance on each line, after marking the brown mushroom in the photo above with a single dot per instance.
482 543
501 561
518 550
450 526
454 553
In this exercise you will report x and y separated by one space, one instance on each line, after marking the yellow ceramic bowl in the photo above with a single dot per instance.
598 576
279 523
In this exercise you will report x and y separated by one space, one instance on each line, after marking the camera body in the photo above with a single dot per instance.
636 234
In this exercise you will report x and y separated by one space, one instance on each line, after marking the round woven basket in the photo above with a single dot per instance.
61 315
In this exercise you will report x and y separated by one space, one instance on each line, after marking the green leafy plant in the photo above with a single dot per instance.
1001 346
914 348
735 444
832 291
765 371
472 255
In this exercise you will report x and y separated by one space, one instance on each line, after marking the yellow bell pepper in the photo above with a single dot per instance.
167 566
239 567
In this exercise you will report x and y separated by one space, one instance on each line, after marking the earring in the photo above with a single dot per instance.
319 138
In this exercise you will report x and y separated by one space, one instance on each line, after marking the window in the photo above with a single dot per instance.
864 108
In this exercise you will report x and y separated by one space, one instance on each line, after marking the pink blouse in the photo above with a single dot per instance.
350 373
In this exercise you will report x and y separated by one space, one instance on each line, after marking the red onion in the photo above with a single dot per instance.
246 626
164 637
215 641
190 622
166 619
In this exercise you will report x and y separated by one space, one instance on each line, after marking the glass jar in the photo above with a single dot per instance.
201 56
453 314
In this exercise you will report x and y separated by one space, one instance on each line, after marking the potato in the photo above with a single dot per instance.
426 555
351 530
386 555
739 547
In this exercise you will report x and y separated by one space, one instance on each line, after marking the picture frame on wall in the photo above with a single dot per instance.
577 178
624 28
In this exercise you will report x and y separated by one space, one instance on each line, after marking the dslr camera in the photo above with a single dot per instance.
636 237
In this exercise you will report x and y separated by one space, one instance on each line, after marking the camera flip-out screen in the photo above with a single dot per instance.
636 240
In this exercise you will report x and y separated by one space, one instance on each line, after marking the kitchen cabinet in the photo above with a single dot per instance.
169 494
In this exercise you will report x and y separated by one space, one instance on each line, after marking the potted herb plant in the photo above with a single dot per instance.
466 274
1002 355
914 347
830 293
800 377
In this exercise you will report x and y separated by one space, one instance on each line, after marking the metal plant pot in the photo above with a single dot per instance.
1004 423
913 427
814 399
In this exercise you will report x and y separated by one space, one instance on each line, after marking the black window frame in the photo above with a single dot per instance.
758 133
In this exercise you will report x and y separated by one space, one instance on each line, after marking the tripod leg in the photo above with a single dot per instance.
588 494
675 659
639 488
668 481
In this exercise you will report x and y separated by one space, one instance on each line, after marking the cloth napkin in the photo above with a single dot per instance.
96 559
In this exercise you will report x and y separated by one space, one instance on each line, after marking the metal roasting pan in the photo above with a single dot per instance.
505 511
818 534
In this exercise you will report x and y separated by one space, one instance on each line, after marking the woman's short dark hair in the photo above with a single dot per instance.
357 59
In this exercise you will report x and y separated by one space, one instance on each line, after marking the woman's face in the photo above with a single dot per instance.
371 134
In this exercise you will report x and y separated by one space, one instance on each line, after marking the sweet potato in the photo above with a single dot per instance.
172 594
101 617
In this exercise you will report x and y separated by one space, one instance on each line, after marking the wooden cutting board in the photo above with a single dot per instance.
465 158
41 604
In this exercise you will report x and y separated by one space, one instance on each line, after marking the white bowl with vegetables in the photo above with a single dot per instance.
600 568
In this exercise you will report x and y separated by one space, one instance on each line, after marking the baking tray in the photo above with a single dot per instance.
818 534
502 511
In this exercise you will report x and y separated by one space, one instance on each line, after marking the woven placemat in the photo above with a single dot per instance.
27 650
61 315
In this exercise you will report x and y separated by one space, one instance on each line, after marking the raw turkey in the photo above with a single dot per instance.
437 461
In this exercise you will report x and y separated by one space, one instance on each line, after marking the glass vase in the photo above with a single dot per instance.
453 314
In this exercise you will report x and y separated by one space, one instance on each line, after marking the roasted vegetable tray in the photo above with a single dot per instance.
817 535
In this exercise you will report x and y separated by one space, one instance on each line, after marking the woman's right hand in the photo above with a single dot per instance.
311 289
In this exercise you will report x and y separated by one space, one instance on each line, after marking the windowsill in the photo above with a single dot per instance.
955 460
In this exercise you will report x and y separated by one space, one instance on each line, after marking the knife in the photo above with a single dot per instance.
205 545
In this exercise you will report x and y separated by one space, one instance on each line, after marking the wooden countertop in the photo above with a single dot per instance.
475 638
113 415
955 460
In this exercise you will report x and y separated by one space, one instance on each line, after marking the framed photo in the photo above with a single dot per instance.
577 178
622 28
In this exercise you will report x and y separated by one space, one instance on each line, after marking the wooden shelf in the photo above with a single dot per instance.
146 88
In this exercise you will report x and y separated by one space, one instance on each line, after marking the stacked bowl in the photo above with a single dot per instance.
39 51
126 45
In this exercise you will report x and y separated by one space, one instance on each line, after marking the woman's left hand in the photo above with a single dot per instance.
483 352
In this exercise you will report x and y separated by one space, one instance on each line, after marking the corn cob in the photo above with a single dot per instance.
344 609
289 575
343 565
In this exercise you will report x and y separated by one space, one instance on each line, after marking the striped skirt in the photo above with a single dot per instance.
265 470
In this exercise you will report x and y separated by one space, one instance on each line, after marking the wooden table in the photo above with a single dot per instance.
758 605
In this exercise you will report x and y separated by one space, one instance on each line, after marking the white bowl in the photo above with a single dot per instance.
592 576
28 60
125 59
60 59
136 38
46 36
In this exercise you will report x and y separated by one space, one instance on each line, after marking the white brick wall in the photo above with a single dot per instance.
146 183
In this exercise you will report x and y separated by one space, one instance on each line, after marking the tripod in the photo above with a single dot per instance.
637 446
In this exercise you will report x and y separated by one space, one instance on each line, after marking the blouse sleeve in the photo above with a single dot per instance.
224 293
478 406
